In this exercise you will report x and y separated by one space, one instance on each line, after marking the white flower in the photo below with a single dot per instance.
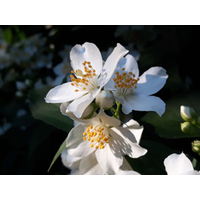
132 91
89 166
104 136
176 164
90 74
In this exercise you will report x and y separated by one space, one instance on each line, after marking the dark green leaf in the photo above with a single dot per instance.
152 162
47 112
8 35
168 126
60 150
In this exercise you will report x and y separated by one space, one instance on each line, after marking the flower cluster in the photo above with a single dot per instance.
99 142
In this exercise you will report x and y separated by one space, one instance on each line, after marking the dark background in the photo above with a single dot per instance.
30 151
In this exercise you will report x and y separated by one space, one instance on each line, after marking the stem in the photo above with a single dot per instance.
116 115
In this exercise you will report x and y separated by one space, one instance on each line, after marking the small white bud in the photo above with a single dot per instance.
187 113
105 99
88 111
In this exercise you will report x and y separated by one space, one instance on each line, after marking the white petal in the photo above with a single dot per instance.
70 161
75 135
79 105
59 80
80 148
131 172
90 166
105 119
63 93
130 65
86 52
135 128
109 159
177 163
151 81
111 63
126 142
143 103
192 172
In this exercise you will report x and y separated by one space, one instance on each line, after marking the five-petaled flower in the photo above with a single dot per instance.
132 91
103 136
88 76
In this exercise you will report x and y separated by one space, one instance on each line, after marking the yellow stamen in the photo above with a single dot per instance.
124 82
96 135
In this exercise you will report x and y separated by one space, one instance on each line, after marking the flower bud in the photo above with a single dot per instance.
105 99
196 146
185 127
188 114
189 128
87 112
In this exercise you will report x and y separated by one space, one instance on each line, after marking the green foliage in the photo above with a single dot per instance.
168 126
49 113
60 150
152 162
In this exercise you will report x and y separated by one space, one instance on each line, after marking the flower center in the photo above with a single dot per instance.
84 80
125 82
98 136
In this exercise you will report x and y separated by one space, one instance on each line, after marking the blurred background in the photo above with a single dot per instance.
34 58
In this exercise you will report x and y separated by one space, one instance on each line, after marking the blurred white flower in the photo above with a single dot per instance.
5 126
4 59
44 60
61 71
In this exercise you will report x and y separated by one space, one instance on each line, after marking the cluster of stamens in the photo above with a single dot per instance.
83 79
97 136
125 82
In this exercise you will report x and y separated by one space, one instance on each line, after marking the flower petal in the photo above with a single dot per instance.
151 81
111 63
177 164
87 52
69 161
130 65
192 172
63 93
109 158
79 105
143 103
135 128
75 135
105 119
90 166
131 172
123 138
80 148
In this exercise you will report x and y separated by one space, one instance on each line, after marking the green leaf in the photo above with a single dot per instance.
168 126
47 112
60 150
8 35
